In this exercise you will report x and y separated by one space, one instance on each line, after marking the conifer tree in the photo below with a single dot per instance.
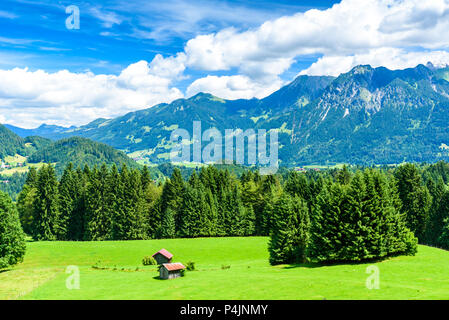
26 199
46 205
152 205
301 225
438 219
415 199
172 194
130 220
190 215
145 177
212 213
326 227
98 222
289 236
70 217
12 238
167 229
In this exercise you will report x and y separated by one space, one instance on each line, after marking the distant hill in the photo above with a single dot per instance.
80 152
365 116
10 143
44 130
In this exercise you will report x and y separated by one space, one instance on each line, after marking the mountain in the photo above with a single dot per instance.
365 116
79 151
10 143
44 130
375 115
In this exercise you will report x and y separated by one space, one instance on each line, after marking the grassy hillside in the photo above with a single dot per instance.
42 275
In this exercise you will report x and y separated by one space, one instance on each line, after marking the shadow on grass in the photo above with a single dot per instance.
157 278
312 265
4 270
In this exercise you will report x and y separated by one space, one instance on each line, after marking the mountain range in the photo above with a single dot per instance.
365 116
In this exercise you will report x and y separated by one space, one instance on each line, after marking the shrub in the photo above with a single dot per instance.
224 267
190 266
149 261
183 272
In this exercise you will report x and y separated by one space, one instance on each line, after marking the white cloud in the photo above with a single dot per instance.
350 28
391 33
390 58
8 15
168 19
108 19
28 97
233 87
171 67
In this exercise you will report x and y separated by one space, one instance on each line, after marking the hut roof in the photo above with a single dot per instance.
165 253
174 266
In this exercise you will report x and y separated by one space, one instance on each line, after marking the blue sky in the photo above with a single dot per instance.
132 54
116 33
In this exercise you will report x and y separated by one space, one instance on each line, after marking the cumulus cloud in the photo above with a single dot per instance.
233 87
28 97
349 27
392 33
391 58
251 63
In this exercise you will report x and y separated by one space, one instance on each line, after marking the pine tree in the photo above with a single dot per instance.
152 205
172 193
145 177
289 236
301 227
443 239
98 221
190 213
415 199
343 176
326 243
12 238
233 213
437 221
77 219
70 194
212 213
46 205
248 221
167 229
26 199
129 217
297 185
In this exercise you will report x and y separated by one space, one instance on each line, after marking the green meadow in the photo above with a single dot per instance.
226 268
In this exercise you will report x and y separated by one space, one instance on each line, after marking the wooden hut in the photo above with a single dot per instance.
162 256
171 270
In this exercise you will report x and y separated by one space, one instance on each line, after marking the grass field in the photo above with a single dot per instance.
24 169
42 274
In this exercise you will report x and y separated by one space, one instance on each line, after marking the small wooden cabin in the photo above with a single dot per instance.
171 270
162 256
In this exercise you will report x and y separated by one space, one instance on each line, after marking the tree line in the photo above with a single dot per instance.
333 215
110 204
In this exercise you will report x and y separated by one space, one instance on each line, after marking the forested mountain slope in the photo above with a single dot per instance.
368 115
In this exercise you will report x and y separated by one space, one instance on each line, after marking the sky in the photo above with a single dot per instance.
127 55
